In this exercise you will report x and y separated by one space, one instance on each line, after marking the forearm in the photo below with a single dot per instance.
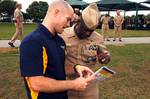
49 85
17 22
122 20
115 24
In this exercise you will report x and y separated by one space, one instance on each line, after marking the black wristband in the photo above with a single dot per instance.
75 67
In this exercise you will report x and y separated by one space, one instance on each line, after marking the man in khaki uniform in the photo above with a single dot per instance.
118 20
105 26
76 16
84 48
18 18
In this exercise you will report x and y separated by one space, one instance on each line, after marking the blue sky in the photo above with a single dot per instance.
26 3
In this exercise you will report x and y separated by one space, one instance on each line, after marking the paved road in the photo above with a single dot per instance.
130 40
4 43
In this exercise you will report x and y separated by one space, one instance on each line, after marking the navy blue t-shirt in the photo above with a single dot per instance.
43 54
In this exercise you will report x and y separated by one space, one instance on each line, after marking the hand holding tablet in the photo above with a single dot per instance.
103 73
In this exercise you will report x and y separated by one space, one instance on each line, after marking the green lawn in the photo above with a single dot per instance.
8 29
130 33
11 86
132 81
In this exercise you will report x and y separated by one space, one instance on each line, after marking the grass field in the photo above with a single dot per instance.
10 82
130 33
8 29
132 81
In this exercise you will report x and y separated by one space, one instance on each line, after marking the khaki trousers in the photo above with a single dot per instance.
105 29
117 32
90 93
18 33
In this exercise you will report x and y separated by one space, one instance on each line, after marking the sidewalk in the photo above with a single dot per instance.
129 40
4 43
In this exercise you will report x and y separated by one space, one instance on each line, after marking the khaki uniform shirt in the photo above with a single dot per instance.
75 18
105 20
18 14
80 51
118 20
105 25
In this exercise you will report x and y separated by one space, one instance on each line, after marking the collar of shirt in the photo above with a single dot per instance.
46 31
72 32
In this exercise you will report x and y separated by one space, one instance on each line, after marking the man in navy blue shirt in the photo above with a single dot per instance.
42 56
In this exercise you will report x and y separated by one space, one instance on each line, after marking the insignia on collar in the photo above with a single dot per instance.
68 44
63 47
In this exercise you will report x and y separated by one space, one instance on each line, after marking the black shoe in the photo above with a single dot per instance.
114 40
120 40
11 44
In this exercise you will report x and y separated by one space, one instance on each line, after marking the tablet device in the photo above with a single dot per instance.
103 72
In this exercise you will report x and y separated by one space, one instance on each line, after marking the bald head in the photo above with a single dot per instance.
58 16
59 4
19 5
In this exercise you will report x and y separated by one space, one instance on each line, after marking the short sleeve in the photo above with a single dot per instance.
16 14
102 19
31 61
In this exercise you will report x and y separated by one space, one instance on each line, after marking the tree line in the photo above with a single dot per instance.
36 10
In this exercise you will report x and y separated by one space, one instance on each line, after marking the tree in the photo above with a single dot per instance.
7 7
43 9
37 10
148 17
26 16
148 20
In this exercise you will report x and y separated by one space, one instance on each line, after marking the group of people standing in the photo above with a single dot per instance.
104 20
118 21
56 60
